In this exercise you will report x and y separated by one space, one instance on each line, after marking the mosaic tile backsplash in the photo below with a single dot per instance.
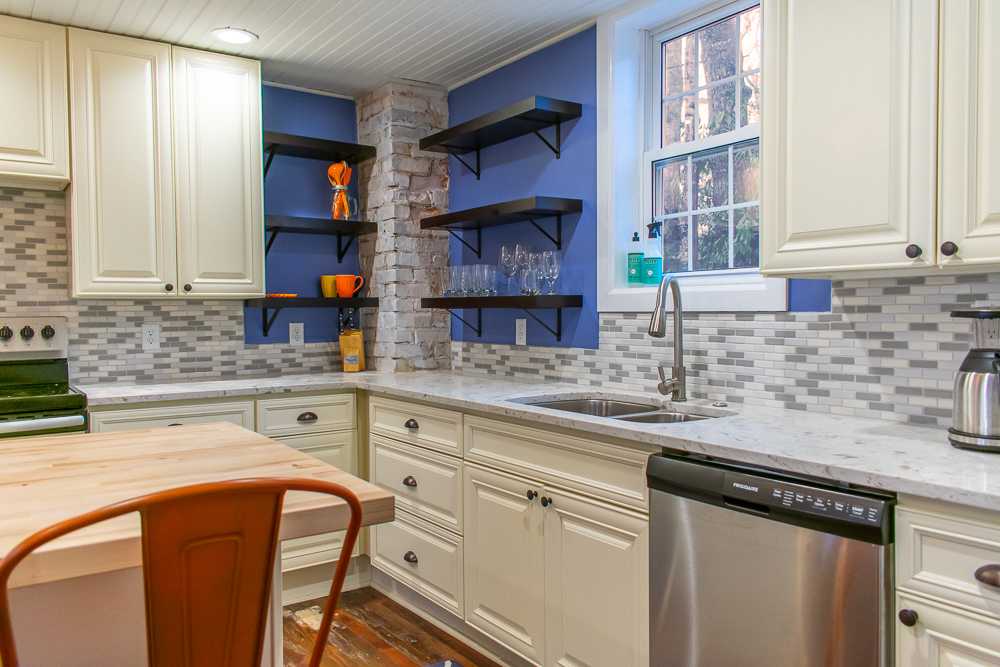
198 339
887 350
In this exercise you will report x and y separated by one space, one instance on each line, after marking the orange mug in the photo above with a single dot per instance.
348 285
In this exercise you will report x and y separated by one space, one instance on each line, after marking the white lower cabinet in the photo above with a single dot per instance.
130 419
505 560
596 583
944 636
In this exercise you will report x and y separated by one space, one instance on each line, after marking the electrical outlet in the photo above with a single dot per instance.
296 333
150 337
521 331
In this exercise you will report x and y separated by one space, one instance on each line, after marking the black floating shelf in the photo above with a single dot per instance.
294 145
515 120
278 304
342 229
526 303
529 209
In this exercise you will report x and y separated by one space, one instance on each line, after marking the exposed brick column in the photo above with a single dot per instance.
401 186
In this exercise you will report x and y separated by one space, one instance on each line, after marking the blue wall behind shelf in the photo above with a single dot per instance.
523 167
298 187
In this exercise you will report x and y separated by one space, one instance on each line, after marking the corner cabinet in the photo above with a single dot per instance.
849 135
34 116
167 195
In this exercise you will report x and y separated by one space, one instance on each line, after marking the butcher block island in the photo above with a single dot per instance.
86 588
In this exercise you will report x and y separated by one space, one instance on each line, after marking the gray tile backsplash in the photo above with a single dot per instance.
887 350
199 339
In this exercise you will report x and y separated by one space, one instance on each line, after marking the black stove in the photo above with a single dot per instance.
35 395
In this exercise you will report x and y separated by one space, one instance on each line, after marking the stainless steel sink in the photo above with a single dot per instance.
663 418
596 407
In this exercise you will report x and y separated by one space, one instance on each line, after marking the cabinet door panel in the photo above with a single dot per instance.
122 198
596 584
34 118
504 561
219 191
849 135
970 131
945 637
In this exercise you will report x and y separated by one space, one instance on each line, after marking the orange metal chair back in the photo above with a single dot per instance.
208 553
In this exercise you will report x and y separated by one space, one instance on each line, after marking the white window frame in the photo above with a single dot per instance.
628 126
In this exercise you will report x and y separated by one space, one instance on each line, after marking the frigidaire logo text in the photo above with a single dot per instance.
746 487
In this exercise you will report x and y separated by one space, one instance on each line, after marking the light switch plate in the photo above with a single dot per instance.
150 337
296 333
521 331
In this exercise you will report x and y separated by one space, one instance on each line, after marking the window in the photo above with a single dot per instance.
704 163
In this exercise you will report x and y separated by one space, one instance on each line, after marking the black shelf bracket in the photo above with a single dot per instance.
477 327
557 332
342 247
557 239
270 157
478 248
478 170
270 241
266 321
557 148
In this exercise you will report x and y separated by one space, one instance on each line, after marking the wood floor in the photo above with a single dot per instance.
370 630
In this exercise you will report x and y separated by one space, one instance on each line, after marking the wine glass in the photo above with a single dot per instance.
551 265
508 264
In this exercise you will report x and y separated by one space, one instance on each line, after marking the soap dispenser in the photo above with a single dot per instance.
652 263
635 256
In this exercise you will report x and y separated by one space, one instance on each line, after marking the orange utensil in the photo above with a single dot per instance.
339 175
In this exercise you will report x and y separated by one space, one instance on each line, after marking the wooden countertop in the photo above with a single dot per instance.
46 479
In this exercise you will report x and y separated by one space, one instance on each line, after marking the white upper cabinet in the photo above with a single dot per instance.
122 197
969 197
849 135
217 134
34 111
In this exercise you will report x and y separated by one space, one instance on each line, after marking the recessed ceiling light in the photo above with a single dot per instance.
235 35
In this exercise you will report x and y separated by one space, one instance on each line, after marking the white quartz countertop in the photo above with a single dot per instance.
884 455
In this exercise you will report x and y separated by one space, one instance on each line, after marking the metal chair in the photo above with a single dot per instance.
208 553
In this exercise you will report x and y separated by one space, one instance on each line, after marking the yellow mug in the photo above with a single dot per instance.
328 286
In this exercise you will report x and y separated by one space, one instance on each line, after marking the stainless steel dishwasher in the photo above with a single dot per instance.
752 568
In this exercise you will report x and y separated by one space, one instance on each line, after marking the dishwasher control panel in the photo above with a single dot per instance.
806 499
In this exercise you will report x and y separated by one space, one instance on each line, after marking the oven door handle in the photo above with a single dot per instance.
18 426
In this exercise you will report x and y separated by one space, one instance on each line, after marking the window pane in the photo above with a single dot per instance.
750 99
670 178
710 178
717 51
716 109
680 65
712 241
679 120
746 238
675 246
750 40
746 173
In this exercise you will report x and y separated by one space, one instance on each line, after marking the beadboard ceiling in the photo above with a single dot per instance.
342 46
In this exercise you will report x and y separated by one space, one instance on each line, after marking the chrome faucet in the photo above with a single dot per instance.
677 383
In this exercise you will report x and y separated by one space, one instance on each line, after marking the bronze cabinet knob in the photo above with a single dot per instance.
913 251
948 248
908 617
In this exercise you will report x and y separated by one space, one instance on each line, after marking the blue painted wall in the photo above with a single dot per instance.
299 187
523 167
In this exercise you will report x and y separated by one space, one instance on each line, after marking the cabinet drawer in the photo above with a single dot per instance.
425 483
425 558
417 424
939 554
596 469
945 636
240 413
305 414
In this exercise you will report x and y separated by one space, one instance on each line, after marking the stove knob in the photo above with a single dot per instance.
27 333
48 332
6 333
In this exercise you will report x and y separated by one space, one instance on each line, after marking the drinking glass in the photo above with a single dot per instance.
490 280
454 281
468 280
551 265
508 264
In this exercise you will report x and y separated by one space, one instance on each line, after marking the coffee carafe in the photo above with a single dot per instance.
976 412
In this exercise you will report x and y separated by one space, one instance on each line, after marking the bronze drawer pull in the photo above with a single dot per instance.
307 418
908 617
410 481
410 557
989 575
411 424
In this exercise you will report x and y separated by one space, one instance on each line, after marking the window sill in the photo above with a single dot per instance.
743 292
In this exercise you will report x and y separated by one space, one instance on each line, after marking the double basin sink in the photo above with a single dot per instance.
625 411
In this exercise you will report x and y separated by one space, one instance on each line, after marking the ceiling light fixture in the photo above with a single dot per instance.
234 35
